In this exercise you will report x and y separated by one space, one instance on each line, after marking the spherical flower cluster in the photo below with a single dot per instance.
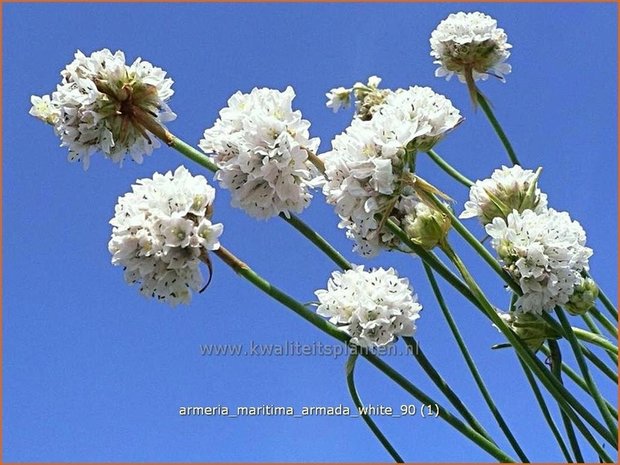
160 232
365 168
261 147
506 190
101 104
374 307
545 253
470 43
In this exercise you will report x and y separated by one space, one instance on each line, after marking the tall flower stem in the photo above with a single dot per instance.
595 329
472 365
444 387
246 272
585 371
486 107
605 323
350 370
557 390
595 339
545 411
449 169
556 369
606 301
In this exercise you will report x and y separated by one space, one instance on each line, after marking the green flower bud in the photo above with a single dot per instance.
583 298
530 328
426 226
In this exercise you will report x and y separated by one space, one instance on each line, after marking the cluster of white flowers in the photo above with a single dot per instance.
98 104
364 169
506 190
261 147
374 307
160 231
544 252
367 97
470 43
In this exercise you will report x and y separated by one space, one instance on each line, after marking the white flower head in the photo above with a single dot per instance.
364 171
101 104
506 190
161 229
544 252
338 98
373 307
261 147
470 43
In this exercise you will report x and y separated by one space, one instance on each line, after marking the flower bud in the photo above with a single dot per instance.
583 297
426 226
530 328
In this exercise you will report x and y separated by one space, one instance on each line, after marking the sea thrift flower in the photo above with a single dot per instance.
261 147
102 104
161 230
338 98
365 169
373 307
506 190
471 46
545 253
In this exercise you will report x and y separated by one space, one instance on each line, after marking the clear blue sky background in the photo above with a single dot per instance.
92 371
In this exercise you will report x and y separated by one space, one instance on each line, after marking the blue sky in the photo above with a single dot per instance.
92 371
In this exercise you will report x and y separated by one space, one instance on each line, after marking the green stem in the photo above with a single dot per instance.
557 390
350 370
556 369
606 301
545 411
595 339
595 329
444 387
472 365
244 271
486 107
583 367
449 169
608 325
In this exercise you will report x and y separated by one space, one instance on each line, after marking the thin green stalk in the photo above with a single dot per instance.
608 325
606 301
578 380
486 107
585 371
556 369
350 371
557 390
244 270
444 387
545 411
472 365
449 169
595 329
597 340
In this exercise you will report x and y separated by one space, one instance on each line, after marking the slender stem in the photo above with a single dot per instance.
556 369
583 367
444 165
578 380
545 411
336 333
472 365
486 107
444 387
595 339
350 370
608 325
606 301
557 390
595 329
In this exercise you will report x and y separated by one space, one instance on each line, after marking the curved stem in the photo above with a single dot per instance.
350 370
336 333
608 325
444 387
606 301
545 411
472 365
486 107
449 169
597 340
557 390
556 369
583 367
595 329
